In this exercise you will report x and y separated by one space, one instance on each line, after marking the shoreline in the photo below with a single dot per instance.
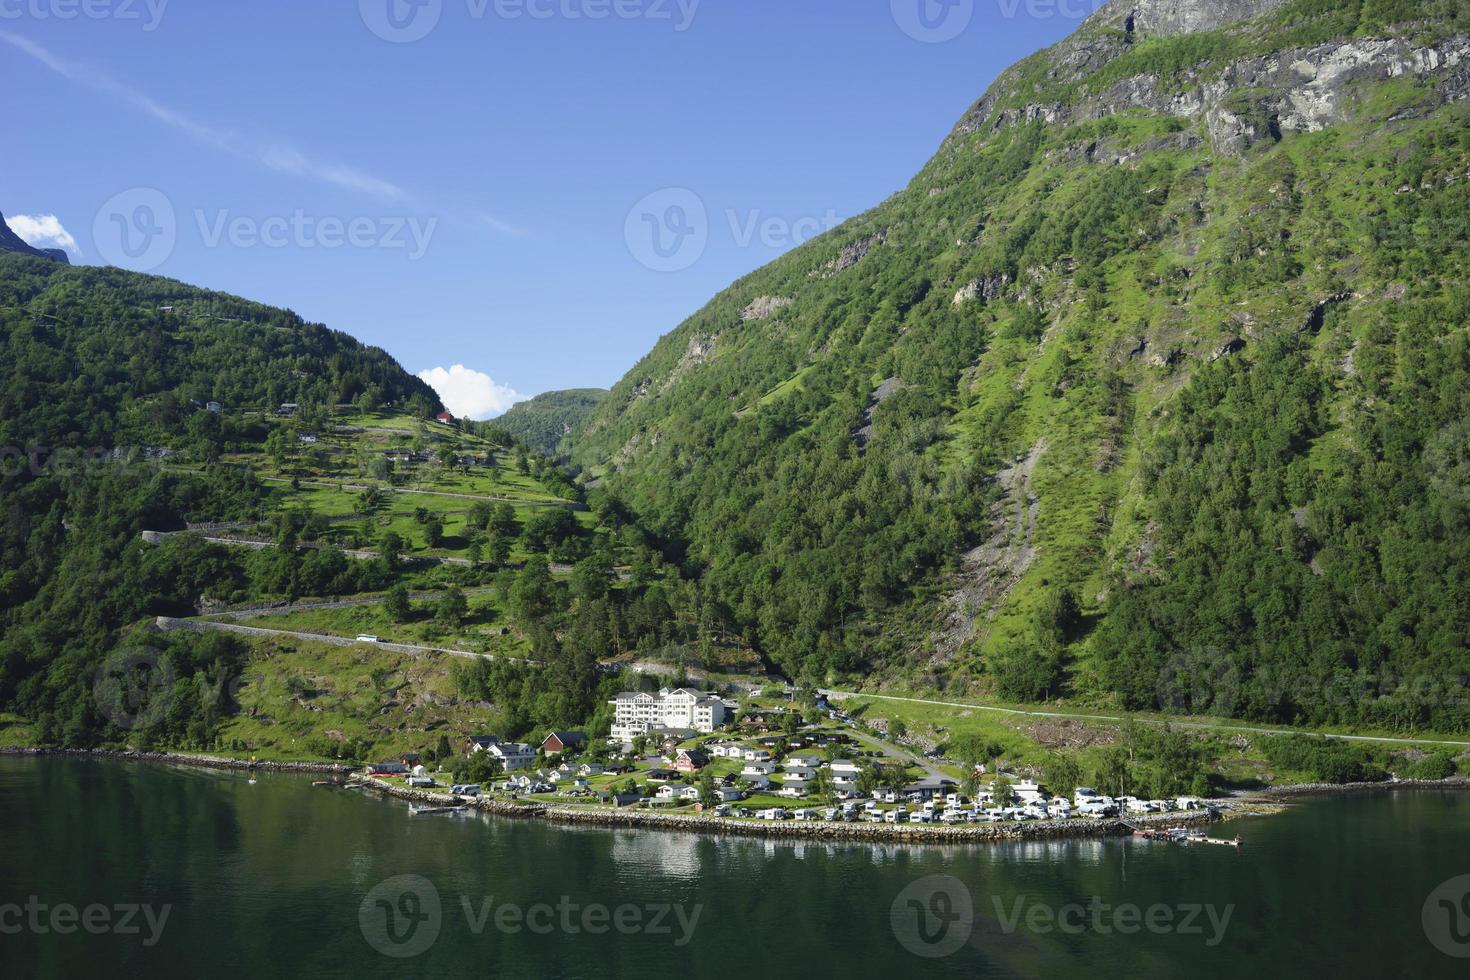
820 830
1274 794
1262 802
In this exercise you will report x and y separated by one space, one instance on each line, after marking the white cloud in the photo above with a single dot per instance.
471 394
42 231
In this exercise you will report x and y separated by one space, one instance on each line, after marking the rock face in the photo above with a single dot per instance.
764 306
11 242
1160 18
990 289
1297 90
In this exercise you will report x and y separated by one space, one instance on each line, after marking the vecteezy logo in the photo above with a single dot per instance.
933 917
401 21
136 229
668 230
130 687
933 21
1446 917
401 916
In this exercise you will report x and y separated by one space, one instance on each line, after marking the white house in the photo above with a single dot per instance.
758 754
513 755
794 788
638 712
758 769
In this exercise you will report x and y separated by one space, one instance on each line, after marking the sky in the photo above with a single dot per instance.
509 196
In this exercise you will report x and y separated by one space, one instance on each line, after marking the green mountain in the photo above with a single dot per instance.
544 421
1150 390
107 375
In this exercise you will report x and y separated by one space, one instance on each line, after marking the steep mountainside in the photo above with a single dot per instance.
542 422
11 242
1150 389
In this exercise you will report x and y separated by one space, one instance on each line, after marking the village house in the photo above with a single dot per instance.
212 407
691 760
754 767
307 438
479 743
287 408
387 769
559 742
757 754
445 417
513 755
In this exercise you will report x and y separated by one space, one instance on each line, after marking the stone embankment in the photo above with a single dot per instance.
636 818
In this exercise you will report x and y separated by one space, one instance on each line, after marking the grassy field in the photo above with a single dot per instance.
299 699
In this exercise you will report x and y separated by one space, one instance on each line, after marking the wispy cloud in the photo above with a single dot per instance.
492 222
281 159
43 231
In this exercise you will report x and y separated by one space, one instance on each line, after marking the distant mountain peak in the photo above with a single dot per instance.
11 242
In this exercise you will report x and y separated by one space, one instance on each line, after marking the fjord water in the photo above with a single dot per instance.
278 877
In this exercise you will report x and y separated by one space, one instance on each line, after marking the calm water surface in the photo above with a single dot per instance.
280 878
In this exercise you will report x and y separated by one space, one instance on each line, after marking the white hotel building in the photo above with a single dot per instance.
638 712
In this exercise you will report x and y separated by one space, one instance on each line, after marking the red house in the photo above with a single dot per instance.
558 742
445 417
691 760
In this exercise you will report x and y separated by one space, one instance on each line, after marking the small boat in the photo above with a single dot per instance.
425 811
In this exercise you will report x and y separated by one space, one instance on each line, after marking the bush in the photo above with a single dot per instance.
1436 766
1326 760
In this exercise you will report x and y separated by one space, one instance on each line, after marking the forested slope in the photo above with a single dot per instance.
101 369
1150 390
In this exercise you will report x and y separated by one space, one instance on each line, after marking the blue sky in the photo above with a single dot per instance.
485 194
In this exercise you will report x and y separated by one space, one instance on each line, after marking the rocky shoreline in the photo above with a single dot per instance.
191 759
1254 803
1277 793
630 818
